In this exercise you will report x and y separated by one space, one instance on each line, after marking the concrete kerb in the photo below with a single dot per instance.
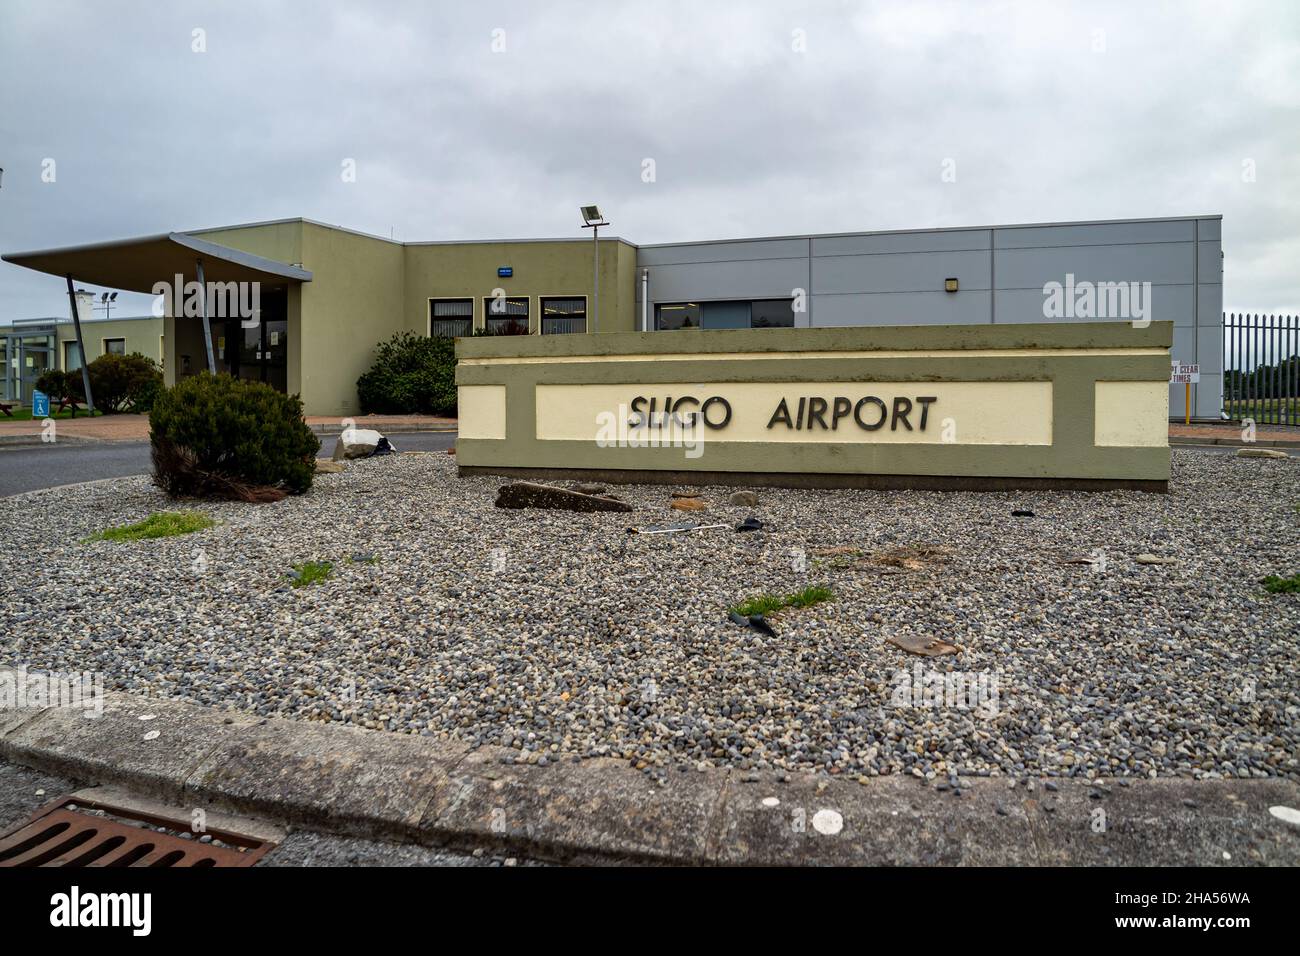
1234 442
390 429
26 441
383 785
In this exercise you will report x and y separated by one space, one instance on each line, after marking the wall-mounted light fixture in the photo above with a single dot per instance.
2 175
949 285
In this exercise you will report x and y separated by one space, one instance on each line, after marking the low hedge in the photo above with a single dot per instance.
412 374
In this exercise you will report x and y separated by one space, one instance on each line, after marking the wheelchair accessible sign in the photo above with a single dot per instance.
40 404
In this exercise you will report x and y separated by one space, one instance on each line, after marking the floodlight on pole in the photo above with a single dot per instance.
593 220
106 302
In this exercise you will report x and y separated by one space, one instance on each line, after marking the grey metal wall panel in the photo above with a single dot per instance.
897 278
909 272
1160 263
1209 308
1103 233
898 242
764 279
687 252
1209 262
915 308
1169 303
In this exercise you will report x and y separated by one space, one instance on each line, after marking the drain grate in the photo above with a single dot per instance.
59 835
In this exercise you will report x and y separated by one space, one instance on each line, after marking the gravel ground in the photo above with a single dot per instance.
560 635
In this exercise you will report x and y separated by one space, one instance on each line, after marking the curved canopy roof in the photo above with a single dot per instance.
135 265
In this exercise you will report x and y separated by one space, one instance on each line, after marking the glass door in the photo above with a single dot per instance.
275 352
263 354
37 359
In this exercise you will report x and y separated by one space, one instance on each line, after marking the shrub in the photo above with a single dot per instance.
412 373
119 383
59 384
214 436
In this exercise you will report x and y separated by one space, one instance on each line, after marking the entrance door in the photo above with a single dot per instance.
263 353
37 359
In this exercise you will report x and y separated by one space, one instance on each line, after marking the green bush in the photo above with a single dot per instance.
122 383
412 374
58 384
213 436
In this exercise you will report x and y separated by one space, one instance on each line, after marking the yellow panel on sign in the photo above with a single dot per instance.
481 411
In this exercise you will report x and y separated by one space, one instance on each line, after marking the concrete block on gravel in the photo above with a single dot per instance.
368 783
592 810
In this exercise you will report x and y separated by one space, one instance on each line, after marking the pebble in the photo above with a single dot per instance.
483 625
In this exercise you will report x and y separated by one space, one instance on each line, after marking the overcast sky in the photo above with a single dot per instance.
497 120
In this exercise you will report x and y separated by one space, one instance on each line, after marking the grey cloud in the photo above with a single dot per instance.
749 136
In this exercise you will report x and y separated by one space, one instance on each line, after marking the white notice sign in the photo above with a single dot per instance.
1180 373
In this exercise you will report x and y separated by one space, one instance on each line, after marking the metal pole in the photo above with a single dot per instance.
595 281
207 326
81 347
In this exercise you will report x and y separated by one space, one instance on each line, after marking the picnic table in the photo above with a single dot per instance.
69 402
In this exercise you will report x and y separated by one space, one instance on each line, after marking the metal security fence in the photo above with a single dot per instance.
1261 368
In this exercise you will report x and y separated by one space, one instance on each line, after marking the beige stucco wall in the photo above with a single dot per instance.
353 302
544 268
142 335
364 289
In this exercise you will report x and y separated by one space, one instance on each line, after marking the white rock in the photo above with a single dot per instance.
356 443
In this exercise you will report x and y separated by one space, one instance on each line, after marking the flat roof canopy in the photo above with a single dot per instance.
135 265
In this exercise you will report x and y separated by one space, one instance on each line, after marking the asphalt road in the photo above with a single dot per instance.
32 467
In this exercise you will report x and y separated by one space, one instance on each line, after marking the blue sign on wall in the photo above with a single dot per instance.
505 272
40 404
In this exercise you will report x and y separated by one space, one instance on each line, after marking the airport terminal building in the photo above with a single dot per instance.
328 295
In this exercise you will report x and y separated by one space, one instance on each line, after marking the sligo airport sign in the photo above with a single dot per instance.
868 412
974 413
1082 405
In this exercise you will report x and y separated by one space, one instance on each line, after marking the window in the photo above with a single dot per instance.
71 357
560 316
679 315
760 314
451 318
505 316
772 314
114 346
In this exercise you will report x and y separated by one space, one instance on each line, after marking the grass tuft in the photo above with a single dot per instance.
1276 585
770 603
309 572
160 524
